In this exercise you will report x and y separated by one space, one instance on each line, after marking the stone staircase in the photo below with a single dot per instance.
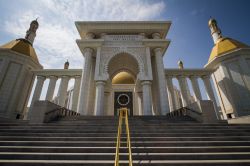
156 141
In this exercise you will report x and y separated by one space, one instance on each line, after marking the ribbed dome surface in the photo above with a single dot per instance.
225 45
21 46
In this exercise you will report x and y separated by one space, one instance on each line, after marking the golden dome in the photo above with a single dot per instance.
225 45
123 78
22 46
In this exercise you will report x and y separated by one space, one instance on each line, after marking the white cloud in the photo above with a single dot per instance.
55 41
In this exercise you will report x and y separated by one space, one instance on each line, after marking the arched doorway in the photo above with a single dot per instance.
123 87
123 70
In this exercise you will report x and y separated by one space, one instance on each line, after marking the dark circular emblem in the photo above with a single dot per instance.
123 99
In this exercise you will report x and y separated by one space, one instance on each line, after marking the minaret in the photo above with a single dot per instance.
215 30
31 32
180 64
66 65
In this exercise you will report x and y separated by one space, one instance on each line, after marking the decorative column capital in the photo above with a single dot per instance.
98 83
53 77
143 35
158 51
193 77
180 77
156 35
77 77
102 35
65 76
90 35
146 82
88 51
42 78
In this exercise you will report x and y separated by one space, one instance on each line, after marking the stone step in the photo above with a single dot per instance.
96 123
132 130
211 138
134 121
103 126
114 127
124 156
124 163
155 141
145 149
135 144
115 117
132 134
160 128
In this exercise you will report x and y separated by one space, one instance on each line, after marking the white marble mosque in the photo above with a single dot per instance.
124 67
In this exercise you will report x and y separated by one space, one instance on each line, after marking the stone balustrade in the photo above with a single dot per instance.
182 76
46 111
54 75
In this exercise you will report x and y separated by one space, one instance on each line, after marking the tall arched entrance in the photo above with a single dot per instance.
113 47
123 70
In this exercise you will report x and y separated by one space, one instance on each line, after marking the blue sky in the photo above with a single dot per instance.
189 34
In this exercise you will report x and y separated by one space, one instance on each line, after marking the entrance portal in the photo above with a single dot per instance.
123 100
123 70
123 87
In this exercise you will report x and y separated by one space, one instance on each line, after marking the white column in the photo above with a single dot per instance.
209 89
177 96
99 99
163 97
84 88
222 112
38 89
210 93
196 88
171 94
62 93
139 99
76 93
147 100
51 88
184 90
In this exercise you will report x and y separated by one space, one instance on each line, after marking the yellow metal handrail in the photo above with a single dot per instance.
123 114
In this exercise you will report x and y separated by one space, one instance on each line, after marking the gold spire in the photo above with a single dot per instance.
222 45
180 64
66 64
24 45
31 32
215 30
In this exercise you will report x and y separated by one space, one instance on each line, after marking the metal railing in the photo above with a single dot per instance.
123 114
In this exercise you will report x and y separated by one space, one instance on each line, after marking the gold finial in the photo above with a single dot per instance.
66 64
180 64
215 30
31 32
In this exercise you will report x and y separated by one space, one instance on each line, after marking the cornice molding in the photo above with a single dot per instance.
123 27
